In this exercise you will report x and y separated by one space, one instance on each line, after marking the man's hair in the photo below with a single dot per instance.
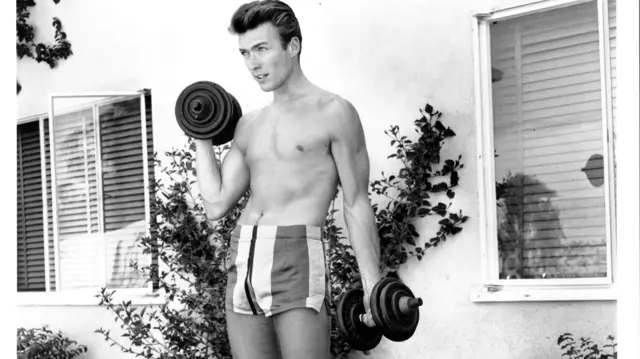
253 14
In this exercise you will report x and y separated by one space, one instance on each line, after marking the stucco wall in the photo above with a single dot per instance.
388 61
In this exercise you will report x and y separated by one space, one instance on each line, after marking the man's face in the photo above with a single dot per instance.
269 64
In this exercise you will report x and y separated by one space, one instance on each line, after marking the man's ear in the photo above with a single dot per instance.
294 46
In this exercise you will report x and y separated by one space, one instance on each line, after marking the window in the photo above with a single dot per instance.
546 110
83 194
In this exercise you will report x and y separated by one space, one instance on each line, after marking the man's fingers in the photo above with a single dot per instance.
367 319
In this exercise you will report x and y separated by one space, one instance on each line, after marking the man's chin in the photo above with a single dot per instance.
266 88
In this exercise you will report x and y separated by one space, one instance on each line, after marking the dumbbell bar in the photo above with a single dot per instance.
204 110
394 309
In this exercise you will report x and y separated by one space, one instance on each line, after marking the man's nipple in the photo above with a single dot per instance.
300 148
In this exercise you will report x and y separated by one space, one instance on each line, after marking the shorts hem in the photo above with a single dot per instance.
315 302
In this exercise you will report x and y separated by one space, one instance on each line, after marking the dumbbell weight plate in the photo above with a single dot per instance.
375 300
358 335
204 110
395 325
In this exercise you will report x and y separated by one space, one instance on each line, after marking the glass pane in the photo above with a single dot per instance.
548 145
125 222
74 149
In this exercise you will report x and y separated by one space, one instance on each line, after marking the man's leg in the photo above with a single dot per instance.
252 336
304 333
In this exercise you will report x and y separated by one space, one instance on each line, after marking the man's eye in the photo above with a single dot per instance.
262 48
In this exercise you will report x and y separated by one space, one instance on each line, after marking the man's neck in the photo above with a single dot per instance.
295 86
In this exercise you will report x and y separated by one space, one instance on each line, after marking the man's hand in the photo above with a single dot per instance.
367 318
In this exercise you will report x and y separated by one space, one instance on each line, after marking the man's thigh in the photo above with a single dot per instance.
252 336
304 333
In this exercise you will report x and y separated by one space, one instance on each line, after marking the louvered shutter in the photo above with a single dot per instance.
51 246
548 142
123 189
30 244
81 249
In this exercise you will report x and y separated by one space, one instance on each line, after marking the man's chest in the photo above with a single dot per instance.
289 138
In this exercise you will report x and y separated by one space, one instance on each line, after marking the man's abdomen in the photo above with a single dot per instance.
290 194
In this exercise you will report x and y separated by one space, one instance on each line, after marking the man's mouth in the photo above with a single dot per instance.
260 77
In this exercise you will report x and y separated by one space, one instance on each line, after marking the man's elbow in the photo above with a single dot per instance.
214 210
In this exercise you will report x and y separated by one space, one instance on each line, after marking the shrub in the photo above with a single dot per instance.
43 343
586 348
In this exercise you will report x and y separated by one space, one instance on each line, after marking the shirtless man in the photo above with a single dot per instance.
292 154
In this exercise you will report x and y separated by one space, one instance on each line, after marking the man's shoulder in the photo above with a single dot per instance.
243 127
247 119
336 106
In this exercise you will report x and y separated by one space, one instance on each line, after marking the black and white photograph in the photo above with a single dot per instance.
327 179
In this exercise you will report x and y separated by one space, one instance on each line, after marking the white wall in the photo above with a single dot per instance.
388 61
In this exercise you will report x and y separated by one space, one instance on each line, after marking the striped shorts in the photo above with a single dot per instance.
272 269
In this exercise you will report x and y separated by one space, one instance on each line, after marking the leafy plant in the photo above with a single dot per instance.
43 343
39 52
586 348
192 324
410 190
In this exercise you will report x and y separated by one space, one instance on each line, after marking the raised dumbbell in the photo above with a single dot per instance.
205 110
394 309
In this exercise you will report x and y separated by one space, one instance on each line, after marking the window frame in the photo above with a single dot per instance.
491 288
85 296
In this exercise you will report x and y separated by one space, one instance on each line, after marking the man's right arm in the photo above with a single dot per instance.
221 188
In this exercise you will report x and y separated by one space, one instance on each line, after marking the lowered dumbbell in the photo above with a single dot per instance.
204 110
394 309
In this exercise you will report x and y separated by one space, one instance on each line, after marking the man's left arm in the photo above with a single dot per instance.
349 151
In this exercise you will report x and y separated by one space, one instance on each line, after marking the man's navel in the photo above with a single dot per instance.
300 148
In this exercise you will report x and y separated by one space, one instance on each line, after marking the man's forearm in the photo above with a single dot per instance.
363 235
208 171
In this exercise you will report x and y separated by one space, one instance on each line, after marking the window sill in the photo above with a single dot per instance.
503 293
88 298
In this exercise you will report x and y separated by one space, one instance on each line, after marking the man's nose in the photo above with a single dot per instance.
252 64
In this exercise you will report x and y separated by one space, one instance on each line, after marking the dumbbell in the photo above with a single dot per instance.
394 309
205 110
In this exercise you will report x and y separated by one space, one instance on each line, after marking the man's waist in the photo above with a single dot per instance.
293 213
249 232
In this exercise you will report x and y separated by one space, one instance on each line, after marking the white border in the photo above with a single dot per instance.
607 129
145 171
526 8
87 297
54 204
